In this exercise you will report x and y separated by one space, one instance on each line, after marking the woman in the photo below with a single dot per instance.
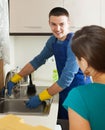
86 105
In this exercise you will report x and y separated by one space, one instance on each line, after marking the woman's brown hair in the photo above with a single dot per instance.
89 43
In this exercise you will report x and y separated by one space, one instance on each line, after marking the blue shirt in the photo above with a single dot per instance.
71 66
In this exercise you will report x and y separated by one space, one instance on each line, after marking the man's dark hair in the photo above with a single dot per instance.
58 11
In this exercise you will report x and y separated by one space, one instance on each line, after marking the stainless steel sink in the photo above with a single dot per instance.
16 104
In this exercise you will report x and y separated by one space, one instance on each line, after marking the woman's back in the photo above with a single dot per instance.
89 102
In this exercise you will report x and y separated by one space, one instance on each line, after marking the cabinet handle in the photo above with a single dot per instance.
34 27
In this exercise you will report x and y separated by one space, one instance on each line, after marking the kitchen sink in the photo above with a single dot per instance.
16 104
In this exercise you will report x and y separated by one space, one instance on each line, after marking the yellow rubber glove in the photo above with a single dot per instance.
44 95
35 101
16 78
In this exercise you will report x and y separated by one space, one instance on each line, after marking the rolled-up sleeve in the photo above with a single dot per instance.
47 52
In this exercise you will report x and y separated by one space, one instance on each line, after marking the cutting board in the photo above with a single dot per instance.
13 122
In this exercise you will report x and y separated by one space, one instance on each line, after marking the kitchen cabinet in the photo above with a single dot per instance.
30 16
83 12
103 13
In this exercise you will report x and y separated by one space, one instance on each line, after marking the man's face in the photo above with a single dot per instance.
59 26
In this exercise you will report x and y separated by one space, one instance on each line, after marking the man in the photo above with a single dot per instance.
69 73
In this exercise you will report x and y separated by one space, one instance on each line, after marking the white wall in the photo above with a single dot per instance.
10 53
25 48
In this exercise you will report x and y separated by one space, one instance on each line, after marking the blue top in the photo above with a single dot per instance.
71 66
89 102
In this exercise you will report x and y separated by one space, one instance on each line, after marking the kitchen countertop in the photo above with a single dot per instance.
49 120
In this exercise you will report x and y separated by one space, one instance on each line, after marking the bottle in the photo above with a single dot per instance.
55 75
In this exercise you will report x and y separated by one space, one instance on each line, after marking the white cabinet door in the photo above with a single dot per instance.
103 13
83 12
31 16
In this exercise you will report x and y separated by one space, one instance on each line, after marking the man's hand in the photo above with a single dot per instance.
10 86
33 102
13 82
37 100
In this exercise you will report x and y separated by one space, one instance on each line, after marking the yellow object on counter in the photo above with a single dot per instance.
16 78
12 122
44 95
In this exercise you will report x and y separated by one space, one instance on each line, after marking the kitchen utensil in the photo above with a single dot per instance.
31 89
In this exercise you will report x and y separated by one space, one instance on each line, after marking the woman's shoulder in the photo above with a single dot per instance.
87 89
